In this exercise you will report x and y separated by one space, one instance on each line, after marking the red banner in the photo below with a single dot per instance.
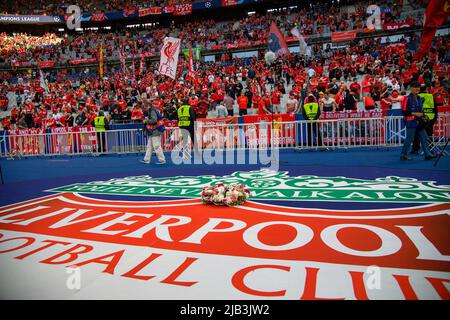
86 139
232 46
147 11
98 17
291 39
343 36
144 12
182 9
80 61
230 3
216 47
60 141
46 64
146 54
156 10
216 132
27 141
259 134
396 26
351 114
72 139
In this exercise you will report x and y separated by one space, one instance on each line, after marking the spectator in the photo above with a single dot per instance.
222 111
242 102
228 101
292 104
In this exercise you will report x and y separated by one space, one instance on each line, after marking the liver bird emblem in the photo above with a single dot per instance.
170 50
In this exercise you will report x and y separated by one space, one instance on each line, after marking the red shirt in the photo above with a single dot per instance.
276 97
261 106
122 103
356 86
193 102
137 114
386 103
407 76
242 102
438 95
366 85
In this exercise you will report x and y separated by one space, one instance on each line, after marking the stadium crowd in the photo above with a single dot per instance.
331 76
55 7
312 21
366 74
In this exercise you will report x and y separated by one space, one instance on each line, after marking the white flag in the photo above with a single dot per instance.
301 40
169 57
43 84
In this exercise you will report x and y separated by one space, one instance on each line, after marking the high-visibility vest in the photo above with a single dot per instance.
184 118
100 123
311 110
428 105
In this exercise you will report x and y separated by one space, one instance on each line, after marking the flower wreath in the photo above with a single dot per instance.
226 195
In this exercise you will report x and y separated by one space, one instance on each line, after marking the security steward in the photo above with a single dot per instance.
311 113
430 111
186 120
101 125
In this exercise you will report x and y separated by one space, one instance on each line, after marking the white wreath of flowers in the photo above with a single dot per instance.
226 194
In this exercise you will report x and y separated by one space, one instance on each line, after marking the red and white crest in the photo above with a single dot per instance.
169 57
182 249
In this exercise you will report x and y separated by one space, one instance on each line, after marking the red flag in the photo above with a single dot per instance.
277 44
191 72
436 15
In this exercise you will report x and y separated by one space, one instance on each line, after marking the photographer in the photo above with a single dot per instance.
413 113
154 128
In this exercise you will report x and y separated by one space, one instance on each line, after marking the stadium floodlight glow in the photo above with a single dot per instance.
107 28
78 29
251 12
61 29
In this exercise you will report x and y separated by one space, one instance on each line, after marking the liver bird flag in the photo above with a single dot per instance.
277 44
436 15
169 57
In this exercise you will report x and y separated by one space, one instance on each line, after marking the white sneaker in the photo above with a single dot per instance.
161 162
143 161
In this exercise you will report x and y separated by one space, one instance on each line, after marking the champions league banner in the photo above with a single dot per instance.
120 15
30 19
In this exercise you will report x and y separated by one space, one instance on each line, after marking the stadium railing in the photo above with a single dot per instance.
300 135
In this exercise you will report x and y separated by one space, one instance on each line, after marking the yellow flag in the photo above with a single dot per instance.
101 60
